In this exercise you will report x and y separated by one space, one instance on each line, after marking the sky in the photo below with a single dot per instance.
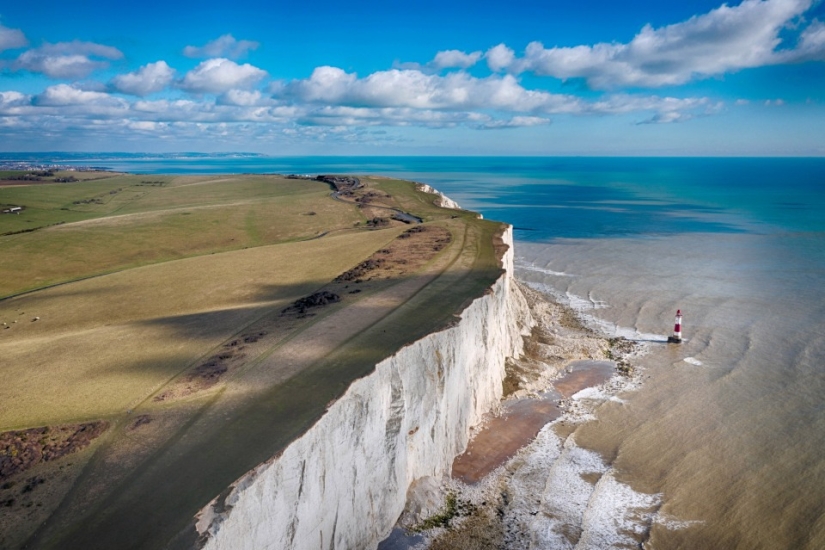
590 77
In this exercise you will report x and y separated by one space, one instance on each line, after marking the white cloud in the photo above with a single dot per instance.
11 38
415 89
343 117
157 110
220 75
331 99
69 60
447 59
667 118
224 46
724 40
150 78
146 126
811 44
243 98
625 103
455 59
13 99
515 122
63 95
500 57
399 97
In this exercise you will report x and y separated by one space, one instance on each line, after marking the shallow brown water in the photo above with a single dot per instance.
522 419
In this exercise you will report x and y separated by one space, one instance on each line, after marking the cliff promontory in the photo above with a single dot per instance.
343 484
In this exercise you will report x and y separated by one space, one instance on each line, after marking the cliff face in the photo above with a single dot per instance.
441 200
343 484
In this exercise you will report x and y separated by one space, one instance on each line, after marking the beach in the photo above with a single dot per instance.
495 490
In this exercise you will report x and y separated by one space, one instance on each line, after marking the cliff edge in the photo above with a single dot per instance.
343 484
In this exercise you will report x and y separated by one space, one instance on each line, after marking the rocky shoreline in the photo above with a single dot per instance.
567 370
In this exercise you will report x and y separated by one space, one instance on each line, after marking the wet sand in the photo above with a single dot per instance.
521 420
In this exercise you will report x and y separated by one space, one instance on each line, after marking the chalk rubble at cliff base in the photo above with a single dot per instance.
552 493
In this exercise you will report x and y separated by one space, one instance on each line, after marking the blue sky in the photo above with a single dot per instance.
590 77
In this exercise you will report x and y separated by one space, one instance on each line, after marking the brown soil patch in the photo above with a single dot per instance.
378 207
140 420
23 449
316 300
209 372
408 252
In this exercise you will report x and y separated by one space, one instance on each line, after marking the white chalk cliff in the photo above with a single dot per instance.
441 200
343 484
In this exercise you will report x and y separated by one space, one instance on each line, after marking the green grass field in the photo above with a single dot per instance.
103 343
146 282
142 224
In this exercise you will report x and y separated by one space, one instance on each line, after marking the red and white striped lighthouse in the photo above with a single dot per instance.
677 329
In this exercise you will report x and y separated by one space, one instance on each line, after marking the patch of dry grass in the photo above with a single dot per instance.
141 224
105 343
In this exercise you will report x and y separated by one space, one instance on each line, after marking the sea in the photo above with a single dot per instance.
722 445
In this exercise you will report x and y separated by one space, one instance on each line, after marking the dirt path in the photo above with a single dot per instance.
204 182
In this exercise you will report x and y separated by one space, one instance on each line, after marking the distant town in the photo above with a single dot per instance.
28 166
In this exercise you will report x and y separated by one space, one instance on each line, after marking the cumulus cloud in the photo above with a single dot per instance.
70 60
243 98
11 39
13 104
515 122
455 59
224 46
12 98
220 75
415 89
331 99
63 95
348 117
65 110
500 57
723 40
447 59
667 118
413 97
811 44
150 78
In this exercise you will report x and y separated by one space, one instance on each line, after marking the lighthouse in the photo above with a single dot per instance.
677 329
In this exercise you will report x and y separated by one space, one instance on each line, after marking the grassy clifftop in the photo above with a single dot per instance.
208 321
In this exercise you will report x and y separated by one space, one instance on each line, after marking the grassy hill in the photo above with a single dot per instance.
199 324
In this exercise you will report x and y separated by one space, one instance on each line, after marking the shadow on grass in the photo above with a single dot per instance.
153 507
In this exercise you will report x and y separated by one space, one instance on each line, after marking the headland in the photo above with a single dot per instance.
213 361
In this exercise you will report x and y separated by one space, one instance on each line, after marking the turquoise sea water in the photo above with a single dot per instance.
728 428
